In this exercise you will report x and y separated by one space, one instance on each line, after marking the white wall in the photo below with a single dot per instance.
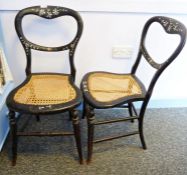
106 24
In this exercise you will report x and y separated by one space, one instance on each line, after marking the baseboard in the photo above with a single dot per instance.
167 103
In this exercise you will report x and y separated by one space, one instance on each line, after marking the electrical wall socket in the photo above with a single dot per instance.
122 51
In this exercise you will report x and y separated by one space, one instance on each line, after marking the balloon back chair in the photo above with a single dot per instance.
103 90
46 93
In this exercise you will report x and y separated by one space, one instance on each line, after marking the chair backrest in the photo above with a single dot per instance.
50 12
171 26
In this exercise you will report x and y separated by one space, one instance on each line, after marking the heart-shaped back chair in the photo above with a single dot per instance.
45 93
103 90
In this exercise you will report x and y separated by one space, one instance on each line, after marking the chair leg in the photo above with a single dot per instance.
84 110
90 121
134 109
13 131
130 111
76 126
70 116
37 118
140 124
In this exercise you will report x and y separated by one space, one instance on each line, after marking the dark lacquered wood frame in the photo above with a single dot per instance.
171 26
50 12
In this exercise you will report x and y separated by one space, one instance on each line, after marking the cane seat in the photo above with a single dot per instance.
44 90
107 88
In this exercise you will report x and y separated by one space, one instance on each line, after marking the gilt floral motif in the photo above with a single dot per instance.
49 12
170 25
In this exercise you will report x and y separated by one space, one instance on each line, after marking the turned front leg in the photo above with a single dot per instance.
90 121
77 133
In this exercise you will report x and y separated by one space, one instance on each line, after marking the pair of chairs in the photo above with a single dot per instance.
52 93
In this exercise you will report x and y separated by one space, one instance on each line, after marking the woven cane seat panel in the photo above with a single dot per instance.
106 87
45 90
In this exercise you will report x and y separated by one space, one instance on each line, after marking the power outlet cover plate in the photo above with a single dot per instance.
122 51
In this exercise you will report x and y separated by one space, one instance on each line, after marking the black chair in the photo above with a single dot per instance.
46 93
104 90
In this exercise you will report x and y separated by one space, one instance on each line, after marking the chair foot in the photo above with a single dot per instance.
144 147
142 140
141 134
81 162
88 161
90 143
14 162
